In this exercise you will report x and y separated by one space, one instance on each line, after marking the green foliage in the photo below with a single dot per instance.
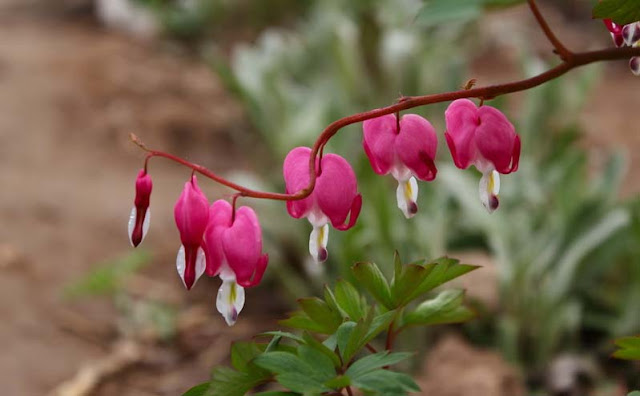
329 355
109 277
634 393
628 348
620 11
437 12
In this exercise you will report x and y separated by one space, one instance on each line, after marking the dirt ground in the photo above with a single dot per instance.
70 92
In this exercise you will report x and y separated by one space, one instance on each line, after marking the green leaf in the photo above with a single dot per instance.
282 334
312 342
275 393
229 382
375 361
280 362
410 278
321 363
319 311
634 393
343 334
300 320
386 382
349 300
357 338
620 11
338 382
438 12
374 282
443 270
198 390
242 352
445 308
293 372
379 323
629 348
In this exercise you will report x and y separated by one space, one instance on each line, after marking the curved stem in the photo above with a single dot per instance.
408 102
560 49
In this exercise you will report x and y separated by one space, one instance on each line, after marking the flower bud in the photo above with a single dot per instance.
140 214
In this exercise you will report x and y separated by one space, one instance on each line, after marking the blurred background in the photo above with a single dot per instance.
234 85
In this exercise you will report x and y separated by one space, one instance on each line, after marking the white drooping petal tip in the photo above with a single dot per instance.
230 300
132 224
318 243
181 266
407 195
489 188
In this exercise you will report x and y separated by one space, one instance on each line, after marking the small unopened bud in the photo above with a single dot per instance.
631 33
140 214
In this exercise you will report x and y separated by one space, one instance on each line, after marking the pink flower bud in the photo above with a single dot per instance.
140 214
631 33
616 32
485 138
404 148
191 214
233 247
334 198
634 65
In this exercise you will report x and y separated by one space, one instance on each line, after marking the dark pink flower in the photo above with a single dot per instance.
404 148
233 247
482 136
191 214
616 32
140 214
334 197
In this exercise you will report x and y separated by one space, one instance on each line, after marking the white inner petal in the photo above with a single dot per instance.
489 188
318 242
201 264
132 224
230 300
407 195
180 264
145 224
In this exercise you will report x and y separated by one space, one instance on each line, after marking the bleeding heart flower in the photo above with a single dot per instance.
335 196
406 148
616 32
191 214
233 247
482 136
140 214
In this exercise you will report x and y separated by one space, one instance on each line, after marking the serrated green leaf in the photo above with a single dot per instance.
438 12
386 382
357 338
374 282
397 266
302 383
379 324
445 308
198 390
273 344
621 12
349 300
375 361
338 382
319 311
314 343
330 299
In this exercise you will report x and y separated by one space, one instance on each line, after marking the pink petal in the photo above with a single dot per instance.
378 141
416 146
515 156
356 205
242 244
462 119
495 138
191 214
219 221
257 276
336 188
296 178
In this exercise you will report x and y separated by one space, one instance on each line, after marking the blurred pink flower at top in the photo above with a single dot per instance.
482 136
140 214
191 214
233 248
335 196
405 148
